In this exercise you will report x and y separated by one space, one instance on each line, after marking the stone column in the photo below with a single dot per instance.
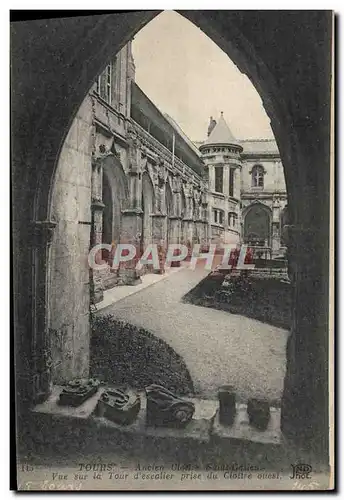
136 162
97 208
275 238
188 220
226 180
159 217
159 228
175 235
176 219
211 171
275 226
42 362
131 232
304 410
237 183
205 218
96 282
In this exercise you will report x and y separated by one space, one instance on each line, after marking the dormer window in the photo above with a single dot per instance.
258 176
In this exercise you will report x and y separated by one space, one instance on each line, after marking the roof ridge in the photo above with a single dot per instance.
257 140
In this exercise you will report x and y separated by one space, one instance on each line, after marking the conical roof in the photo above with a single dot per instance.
221 134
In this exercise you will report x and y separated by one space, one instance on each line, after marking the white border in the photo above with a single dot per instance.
5 177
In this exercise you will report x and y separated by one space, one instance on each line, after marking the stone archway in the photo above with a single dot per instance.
289 86
257 225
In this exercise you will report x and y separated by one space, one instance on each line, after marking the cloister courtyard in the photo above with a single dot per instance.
218 348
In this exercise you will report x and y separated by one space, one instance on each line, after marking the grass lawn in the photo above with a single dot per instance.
125 355
267 300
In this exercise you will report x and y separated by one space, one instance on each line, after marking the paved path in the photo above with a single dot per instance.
218 347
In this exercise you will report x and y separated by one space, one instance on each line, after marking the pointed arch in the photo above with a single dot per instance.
116 191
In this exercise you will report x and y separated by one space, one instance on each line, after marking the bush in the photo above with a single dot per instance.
124 354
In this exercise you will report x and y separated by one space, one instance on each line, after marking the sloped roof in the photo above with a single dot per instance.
221 134
259 146
182 134
142 108
253 147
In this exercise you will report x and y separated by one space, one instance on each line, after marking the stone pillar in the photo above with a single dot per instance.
159 217
275 237
188 220
97 207
226 180
159 237
42 362
131 232
275 226
201 236
96 282
211 170
205 218
304 410
136 161
176 219
198 223
159 228
188 225
237 183
176 229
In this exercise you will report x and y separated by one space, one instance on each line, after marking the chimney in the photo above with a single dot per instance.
212 124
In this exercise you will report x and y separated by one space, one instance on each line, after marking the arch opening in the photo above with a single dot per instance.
248 60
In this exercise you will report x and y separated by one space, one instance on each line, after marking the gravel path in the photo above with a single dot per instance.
218 347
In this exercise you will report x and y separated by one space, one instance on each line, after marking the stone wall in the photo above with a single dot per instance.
273 177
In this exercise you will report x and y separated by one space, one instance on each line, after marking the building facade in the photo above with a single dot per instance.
247 196
128 174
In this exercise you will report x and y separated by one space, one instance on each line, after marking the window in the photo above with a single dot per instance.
104 84
219 179
231 182
232 219
108 83
258 176
218 216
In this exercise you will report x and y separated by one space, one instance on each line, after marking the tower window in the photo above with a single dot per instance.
218 216
231 182
219 179
232 219
258 176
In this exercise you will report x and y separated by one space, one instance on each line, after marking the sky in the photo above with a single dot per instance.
190 78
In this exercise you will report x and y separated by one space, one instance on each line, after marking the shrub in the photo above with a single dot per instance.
124 354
